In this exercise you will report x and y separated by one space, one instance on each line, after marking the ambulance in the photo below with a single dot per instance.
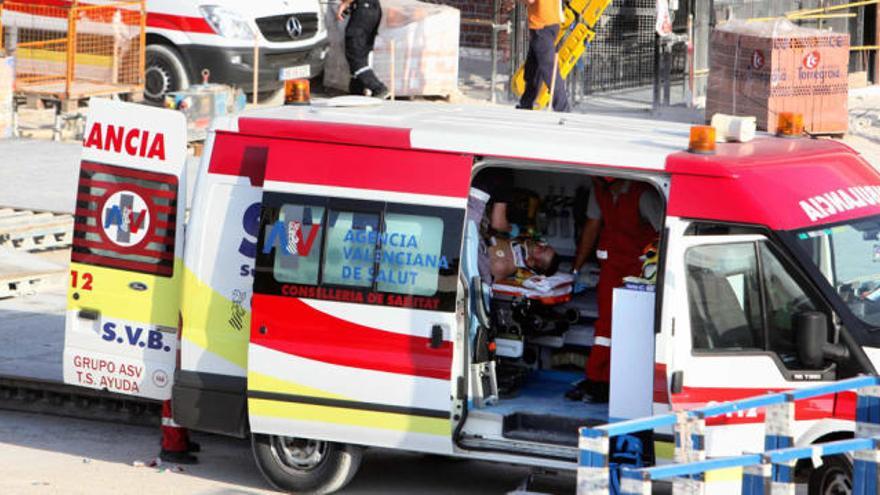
186 38
322 295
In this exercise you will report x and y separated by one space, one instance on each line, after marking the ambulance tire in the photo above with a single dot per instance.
164 73
305 466
835 476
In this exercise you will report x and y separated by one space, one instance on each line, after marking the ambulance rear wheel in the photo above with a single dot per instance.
834 477
301 465
164 73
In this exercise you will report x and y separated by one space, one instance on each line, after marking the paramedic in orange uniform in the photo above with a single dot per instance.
625 217
545 17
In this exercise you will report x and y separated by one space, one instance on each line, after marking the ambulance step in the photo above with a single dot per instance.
29 230
556 430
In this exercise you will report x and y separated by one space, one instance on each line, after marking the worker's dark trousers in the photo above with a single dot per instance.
539 69
360 35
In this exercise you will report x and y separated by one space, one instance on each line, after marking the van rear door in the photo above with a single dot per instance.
355 295
122 311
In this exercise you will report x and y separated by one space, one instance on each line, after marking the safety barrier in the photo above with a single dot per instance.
770 472
67 49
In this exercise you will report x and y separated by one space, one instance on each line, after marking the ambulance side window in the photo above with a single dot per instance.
419 259
724 297
368 252
351 245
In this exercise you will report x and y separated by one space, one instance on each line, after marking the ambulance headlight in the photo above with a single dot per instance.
227 23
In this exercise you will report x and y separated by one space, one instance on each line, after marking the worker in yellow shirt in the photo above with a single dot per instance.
545 17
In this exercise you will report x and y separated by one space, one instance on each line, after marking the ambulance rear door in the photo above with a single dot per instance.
354 310
123 303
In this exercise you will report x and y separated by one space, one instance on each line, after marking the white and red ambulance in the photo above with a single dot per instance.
322 297
186 37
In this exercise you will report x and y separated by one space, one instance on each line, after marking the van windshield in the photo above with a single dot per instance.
848 254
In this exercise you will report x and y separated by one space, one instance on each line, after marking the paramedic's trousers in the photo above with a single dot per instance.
360 36
610 277
539 69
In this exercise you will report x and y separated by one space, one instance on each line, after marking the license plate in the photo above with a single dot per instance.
298 72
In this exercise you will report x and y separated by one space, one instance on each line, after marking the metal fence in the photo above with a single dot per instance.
69 50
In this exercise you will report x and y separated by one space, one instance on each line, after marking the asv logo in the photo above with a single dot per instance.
812 60
125 218
758 60
291 239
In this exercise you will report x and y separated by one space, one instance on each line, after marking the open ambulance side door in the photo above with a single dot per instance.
122 310
354 309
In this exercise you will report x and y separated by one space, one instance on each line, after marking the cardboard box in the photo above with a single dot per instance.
763 68
425 38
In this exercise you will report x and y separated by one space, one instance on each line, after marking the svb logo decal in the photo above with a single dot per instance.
125 218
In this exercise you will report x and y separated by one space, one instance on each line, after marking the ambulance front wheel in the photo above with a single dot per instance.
833 477
300 465
164 73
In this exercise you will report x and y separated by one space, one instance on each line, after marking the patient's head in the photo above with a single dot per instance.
542 258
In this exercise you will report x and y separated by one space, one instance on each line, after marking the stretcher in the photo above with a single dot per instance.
550 291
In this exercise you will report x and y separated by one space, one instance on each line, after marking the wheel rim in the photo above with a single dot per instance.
299 454
158 80
837 483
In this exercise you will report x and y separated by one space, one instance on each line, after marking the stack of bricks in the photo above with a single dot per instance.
762 69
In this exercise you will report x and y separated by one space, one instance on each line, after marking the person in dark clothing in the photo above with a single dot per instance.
544 22
360 35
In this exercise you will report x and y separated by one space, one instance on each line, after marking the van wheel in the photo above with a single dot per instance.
834 477
164 73
301 465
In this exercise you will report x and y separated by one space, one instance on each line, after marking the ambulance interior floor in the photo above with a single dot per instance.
539 410
32 335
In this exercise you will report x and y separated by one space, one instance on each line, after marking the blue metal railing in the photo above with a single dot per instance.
594 475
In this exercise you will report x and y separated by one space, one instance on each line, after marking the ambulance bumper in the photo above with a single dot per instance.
234 66
210 403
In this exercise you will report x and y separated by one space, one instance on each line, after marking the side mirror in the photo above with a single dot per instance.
811 334
480 297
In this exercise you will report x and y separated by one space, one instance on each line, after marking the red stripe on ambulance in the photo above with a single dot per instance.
293 327
837 406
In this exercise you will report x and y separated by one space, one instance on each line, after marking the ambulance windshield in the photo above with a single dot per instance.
848 255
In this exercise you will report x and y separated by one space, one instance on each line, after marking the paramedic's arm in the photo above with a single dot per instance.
590 234
587 242
340 11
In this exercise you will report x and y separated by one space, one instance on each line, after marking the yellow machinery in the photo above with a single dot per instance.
575 32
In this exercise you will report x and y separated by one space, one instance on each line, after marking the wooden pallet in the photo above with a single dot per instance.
23 274
28 230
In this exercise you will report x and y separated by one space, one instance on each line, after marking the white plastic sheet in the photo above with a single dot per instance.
425 38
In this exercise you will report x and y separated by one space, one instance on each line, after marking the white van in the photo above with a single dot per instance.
186 37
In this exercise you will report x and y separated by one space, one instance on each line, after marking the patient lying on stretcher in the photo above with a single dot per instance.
521 258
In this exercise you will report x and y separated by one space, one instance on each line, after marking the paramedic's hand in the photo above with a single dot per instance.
340 11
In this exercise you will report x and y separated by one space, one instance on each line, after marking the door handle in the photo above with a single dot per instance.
677 384
436 336
89 314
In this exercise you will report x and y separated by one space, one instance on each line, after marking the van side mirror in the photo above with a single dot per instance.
811 334
479 300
